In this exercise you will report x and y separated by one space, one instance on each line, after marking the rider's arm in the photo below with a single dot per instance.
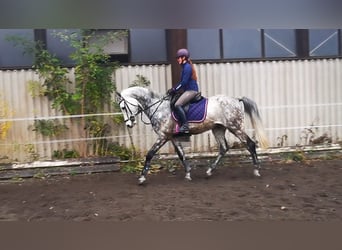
186 76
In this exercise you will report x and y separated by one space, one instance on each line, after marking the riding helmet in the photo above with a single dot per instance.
183 52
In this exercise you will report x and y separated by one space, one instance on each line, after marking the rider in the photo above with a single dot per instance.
188 84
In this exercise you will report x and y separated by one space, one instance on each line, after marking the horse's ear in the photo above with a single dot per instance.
118 97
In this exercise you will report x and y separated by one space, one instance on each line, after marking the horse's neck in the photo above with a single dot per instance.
146 102
150 102
153 107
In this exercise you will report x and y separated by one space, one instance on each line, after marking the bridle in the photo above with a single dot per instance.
126 108
130 115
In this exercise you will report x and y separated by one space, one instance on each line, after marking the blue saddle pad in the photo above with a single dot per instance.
197 111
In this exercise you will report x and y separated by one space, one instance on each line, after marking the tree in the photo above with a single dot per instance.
93 83
5 113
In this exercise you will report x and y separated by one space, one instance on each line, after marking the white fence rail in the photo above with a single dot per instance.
300 103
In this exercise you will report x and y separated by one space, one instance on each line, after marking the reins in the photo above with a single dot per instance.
140 109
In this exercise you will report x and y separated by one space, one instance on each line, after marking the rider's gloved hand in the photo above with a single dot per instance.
171 91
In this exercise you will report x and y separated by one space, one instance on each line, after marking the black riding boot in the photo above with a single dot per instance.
184 129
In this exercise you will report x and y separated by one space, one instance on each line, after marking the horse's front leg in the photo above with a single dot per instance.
181 156
156 146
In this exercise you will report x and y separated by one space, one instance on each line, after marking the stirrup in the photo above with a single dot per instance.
184 129
182 134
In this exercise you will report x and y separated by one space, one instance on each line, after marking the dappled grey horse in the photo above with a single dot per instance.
222 113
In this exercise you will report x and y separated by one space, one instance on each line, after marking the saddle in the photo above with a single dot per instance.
198 97
196 109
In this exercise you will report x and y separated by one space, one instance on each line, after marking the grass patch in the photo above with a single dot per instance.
297 156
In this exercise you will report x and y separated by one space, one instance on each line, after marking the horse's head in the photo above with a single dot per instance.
137 100
130 107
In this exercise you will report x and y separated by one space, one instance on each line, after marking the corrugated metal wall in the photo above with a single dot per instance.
298 100
293 96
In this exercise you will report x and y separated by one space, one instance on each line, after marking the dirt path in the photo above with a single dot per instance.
310 191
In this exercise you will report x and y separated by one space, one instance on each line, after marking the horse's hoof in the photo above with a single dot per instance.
256 173
188 177
141 179
209 172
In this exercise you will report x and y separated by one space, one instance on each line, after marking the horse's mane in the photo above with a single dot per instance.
137 91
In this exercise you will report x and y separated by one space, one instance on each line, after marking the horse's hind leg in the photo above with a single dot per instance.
181 156
219 132
252 150
251 147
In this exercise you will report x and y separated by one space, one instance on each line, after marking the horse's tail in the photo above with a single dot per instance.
251 109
